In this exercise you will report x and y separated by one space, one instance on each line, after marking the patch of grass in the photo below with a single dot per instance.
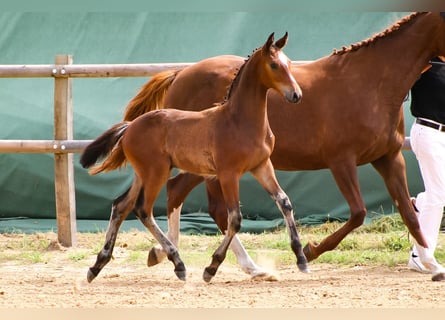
78 256
383 241
385 224
277 240
397 243
137 256
32 257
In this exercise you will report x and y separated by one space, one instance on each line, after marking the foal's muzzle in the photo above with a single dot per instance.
293 96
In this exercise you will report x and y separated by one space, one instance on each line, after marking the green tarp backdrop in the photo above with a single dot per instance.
26 107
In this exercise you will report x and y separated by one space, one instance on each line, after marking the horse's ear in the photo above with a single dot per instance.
282 42
269 41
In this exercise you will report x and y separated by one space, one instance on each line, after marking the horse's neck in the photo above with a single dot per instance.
412 47
400 56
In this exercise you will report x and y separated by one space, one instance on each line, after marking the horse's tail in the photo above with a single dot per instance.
108 144
151 95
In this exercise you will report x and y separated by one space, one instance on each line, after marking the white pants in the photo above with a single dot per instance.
428 145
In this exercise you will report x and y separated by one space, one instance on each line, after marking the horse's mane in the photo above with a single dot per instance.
237 75
396 26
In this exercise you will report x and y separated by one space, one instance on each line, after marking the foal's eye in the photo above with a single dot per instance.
274 65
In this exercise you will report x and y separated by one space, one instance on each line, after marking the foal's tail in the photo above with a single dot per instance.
108 144
151 95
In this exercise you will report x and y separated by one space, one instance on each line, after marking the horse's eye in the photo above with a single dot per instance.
274 65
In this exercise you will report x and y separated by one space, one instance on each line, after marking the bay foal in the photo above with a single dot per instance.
224 141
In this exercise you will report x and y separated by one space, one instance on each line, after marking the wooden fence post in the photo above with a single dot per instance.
63 162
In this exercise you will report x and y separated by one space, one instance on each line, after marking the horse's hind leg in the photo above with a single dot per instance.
392 168
178 187
120 209
345 175
266 177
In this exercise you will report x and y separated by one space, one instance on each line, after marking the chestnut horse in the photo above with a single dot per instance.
351 116
224 141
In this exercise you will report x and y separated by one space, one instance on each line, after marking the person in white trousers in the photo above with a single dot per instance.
427 136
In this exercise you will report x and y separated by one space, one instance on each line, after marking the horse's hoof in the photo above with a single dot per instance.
152 258
208 274
91 275
438 277
264 276
308 251
181 275
303 267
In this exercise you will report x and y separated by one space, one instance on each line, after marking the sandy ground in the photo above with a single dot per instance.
59 283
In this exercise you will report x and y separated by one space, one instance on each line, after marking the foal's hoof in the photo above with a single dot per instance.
181 275
309 251
152 258
208 274
91 275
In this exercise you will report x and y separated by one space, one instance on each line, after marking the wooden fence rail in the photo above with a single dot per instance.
63 146
86 70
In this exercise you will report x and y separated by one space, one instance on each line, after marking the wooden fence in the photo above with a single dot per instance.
63 146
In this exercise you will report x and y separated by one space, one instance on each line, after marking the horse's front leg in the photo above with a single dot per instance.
120 209
345 175
230 188
266 176
392 168
178 187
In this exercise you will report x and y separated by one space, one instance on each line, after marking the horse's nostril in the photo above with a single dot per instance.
296 97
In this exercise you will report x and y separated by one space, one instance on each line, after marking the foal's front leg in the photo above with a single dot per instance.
266 177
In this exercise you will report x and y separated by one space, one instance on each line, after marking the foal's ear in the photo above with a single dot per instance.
281 42
269 41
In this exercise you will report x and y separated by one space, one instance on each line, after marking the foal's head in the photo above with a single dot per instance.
276 69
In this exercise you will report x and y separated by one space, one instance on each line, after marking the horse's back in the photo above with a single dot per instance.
201 85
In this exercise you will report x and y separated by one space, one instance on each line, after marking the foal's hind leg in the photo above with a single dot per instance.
153 179
266 176
170 249
120 209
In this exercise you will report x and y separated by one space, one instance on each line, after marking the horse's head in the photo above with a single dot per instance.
277 73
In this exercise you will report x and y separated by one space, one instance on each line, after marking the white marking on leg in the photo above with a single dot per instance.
244 260
174 225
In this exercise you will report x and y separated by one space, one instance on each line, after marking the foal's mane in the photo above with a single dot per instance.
238 75
364 43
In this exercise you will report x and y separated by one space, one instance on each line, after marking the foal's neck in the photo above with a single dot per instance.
248 95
